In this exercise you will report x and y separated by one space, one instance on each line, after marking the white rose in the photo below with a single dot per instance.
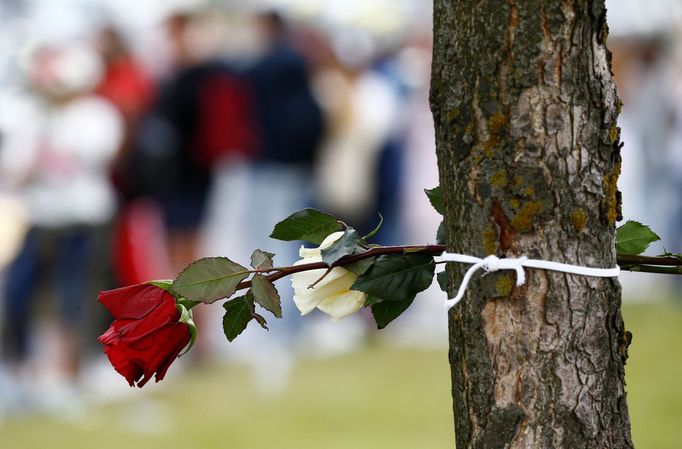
332 295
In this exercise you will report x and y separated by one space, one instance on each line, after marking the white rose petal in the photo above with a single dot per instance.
341 306
330 239
308 253
332 295
317 252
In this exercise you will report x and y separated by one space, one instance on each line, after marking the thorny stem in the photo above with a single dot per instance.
663 265
378 251
329 270
639 260
648 264
654 269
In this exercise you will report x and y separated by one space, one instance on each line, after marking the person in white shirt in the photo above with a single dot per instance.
56 157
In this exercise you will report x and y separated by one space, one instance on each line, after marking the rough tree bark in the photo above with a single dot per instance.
528 153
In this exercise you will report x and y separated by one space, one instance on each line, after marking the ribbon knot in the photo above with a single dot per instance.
493 263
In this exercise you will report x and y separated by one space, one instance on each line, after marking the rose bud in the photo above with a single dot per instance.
149 330
332 295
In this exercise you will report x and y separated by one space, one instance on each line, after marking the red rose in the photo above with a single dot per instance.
146 335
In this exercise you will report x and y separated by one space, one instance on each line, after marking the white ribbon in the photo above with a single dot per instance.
494 263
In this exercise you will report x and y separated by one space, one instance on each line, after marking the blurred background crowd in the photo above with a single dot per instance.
135 139
138 136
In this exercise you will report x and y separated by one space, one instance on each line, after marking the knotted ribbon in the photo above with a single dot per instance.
493 263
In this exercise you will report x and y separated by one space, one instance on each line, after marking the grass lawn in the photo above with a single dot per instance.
375 398
653 374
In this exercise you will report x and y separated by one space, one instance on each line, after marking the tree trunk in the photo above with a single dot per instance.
528 152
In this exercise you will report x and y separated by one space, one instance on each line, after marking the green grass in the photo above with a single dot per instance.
654 374
375 398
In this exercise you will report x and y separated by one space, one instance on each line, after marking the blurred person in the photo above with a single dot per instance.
291 127
58 162
251 196
17 128
359 162
642 75
290 120
380 153
13 227
200 120
424 324
200 116
127 85
675 173
674 155
138 250
13 220
163 164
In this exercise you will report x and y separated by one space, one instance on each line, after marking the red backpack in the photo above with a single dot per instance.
226 119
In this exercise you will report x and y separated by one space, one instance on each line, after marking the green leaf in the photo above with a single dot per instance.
237 317
634 238
189 305
397 277
361 266
344 246
386 311
310 225
252 308
440 234
442 279
166 284
260 320
375 230
261 260
209 279
436 198
186 317
371 300
265 294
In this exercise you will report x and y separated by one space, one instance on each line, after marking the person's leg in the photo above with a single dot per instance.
73 261
21 277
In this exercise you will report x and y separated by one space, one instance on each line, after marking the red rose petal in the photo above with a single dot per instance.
134 302
181 344
121 361
135 330
109 337
145 338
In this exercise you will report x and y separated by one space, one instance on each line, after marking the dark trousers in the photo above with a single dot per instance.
60 254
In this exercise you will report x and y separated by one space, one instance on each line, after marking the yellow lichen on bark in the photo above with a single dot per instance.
504 286
489 240
611 188
579 219
614 133
500 179
496 124
523 220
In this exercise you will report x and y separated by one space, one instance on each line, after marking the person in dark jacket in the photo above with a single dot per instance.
290 119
